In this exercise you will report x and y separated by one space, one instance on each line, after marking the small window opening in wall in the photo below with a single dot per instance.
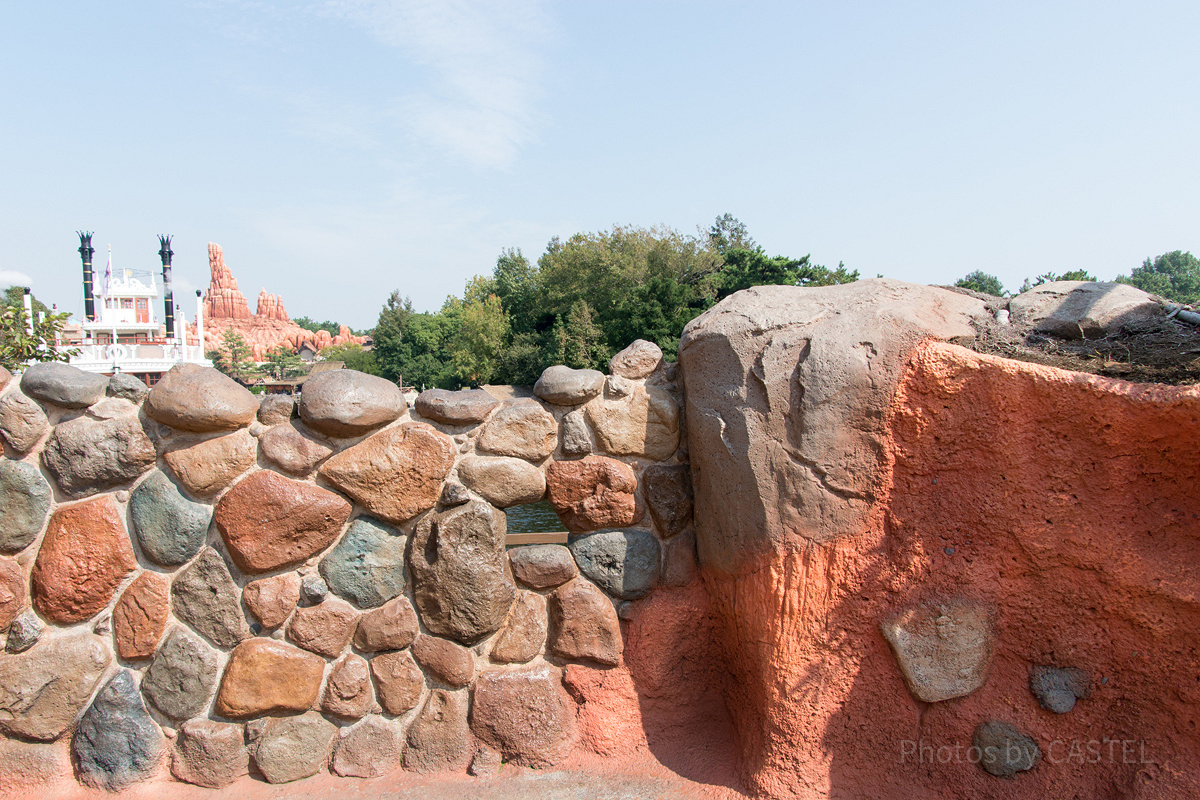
534 523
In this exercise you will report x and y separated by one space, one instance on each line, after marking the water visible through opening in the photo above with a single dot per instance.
538 517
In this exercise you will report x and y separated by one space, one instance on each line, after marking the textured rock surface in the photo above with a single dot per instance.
346 402
524 632
454 494
182 676
595 492
646 423
669 496
461 583
275 409
439 740
211 754
367 565
348 690
269 521
23 632
637 360
170 528
200 399
679 565
943 650
503 482
209 465
395 474
392 626
1083 309
568 387
27 766
86 456
12 592
623 563
62 384
265 676
313 589
450 663
399 681
325 628
575 436
1004 750
292 748
272 599
525 714
486 763
84 557
465 407
521 428
22 422
127 387
368 750
205 597
24 503
583 623
1058 689
291 450
116 743
542 566
43 689
140 616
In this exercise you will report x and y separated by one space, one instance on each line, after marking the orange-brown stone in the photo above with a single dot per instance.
140 616
399 681
325 628
12 592
85 555
348 691
392 626
594 492
264 676
272 599
269 521
450 663
208 466
583 623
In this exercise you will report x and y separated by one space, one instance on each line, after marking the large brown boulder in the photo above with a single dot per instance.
264 675
200 399
583 624
346 402
87 455
206 467
594 492
43 689
526 714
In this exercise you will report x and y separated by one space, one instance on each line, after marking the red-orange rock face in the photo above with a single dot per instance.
269 521
85 555
223 300
272 599
140 616
592 493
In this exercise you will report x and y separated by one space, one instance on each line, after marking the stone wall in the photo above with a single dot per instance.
196 585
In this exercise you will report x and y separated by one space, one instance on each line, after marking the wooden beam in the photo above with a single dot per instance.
554 537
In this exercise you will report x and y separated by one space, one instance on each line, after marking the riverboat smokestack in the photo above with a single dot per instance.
85 252
165 254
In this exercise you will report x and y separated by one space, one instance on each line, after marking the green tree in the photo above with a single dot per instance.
980 281
282 362
522 361
353 356
19 347
480 339
729 233
1174 275
416 348
233 356
14 297
310 324
517 283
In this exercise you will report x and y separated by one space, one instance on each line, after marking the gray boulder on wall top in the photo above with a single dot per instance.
63 385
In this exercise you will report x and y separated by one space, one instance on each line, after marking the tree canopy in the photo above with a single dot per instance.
1174 275
980 281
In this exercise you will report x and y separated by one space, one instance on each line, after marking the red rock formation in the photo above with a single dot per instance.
223 300
270 307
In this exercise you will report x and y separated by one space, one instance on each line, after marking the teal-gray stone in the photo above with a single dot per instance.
623 563
24 503
205 597
127 387
88 455
116 742
367 566
63 385
182 676
170 528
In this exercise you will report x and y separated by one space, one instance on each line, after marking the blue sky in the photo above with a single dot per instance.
340 149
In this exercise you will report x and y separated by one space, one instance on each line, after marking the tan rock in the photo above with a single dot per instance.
272 599
1083 309
291 748
395 474
439 740
503 482
369 749
140 616
22 422
211 754
268 521
943 649
450 663
200 399
524 633
646 423
348 690
265 676
325 628
392 626
346 402
291 450
12 592
275 409
637 360
85 555
398 680
209 465
455 408
584 624
526 714
594 492
521 428
43 689
542 566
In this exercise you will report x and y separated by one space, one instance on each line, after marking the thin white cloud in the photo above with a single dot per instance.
10 277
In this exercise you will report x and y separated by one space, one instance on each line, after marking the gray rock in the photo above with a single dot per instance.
24 503
201 400
116 742
465 407
679 567
44 689
182 676
637 360
88 456
439 740
521 428
275 409
24 631
503 482
1083 309
669 495
542 566
205 597
22 422
313 590
367 565
169 528
211 754
291 748
127 387
369 749
63 385
624 563
574 435
943 649
461 583
1004 750
346 402
564 386
454 494
1058 689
